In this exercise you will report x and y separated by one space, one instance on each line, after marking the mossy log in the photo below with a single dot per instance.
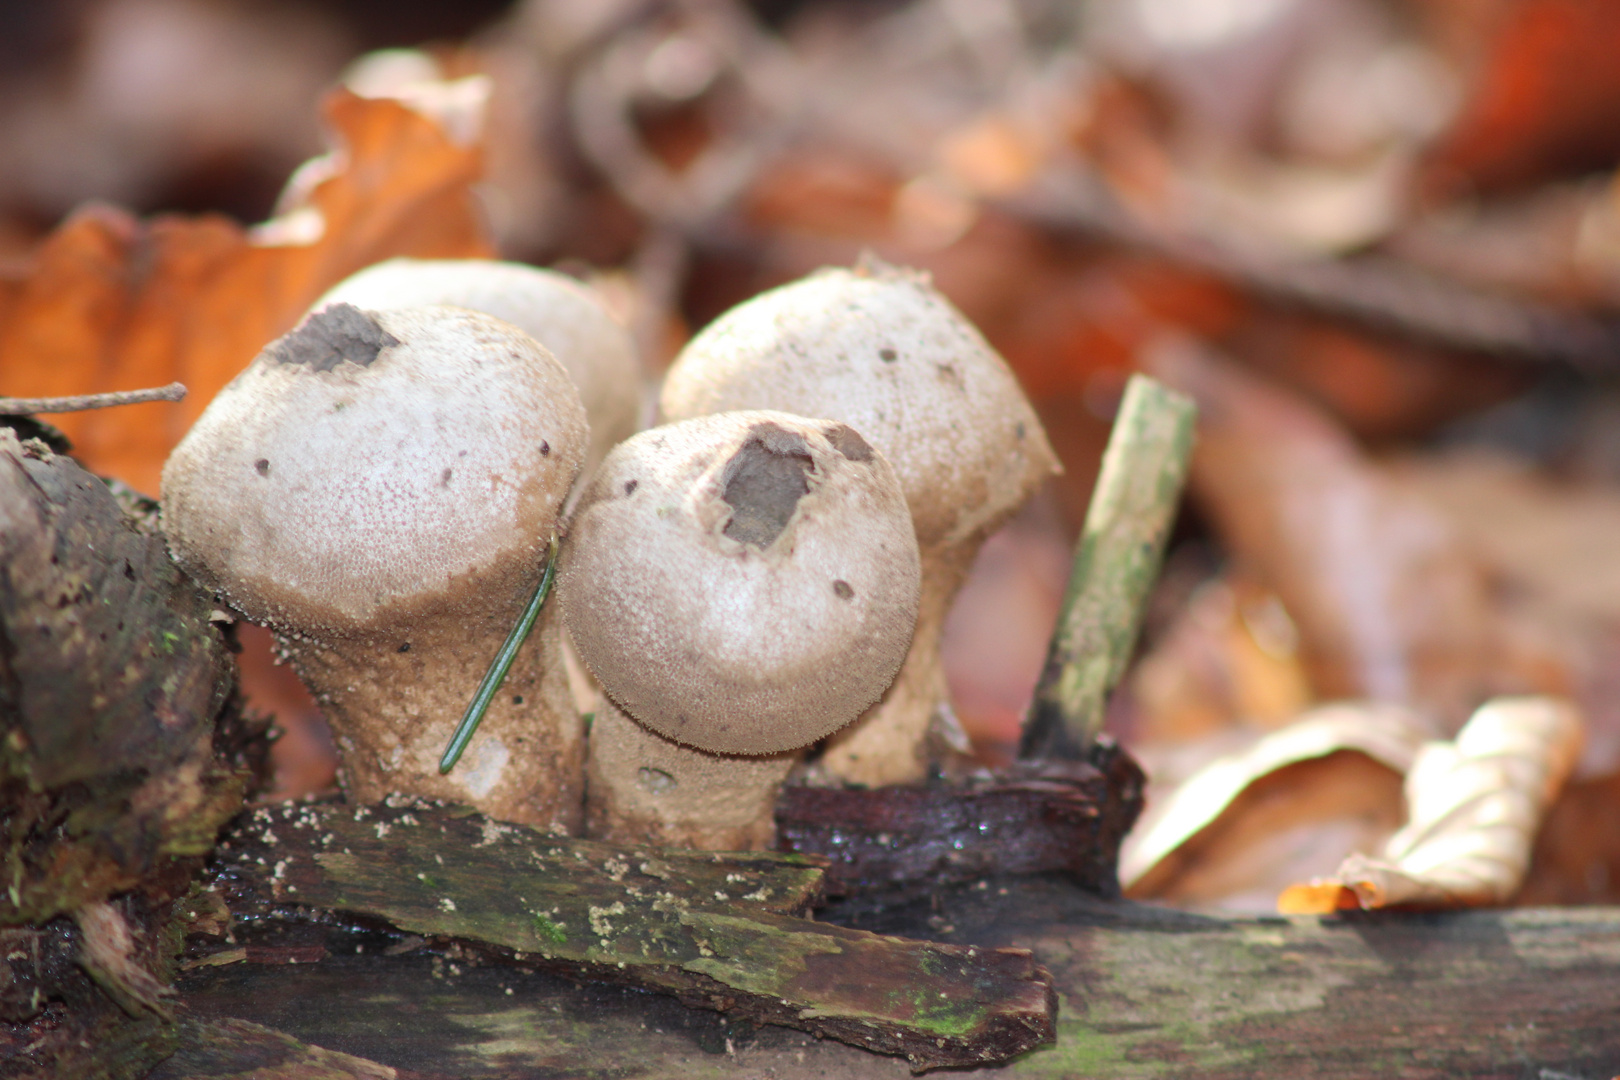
1146 993
724 932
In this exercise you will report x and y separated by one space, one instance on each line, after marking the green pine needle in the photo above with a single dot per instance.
502 664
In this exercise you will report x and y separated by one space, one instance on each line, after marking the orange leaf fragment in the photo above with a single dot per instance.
111 303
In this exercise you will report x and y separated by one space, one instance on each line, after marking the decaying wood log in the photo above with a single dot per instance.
718 932
1147 993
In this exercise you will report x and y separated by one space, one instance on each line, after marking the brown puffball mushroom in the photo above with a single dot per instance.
879 349
741 585
557 311
380 488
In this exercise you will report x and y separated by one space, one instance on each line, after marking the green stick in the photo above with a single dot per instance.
1115 564
497 670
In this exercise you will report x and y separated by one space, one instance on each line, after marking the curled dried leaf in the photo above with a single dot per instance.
1386 734
1474 807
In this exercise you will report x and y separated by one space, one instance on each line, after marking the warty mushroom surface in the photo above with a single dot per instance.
881 350
564 315
380 488
741 585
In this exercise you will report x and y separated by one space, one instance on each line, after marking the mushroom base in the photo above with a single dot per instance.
646 789
394 703
889 743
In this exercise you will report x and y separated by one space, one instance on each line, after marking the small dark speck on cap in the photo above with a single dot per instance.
262 466
545 448
888 356
332 335
405 647
444 477
842 589
630 486
517 699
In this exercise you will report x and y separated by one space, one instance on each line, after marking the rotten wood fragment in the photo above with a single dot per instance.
115 776
111 680
1032 817
720 932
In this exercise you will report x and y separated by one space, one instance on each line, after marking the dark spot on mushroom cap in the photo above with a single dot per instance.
842 589
517 699
764 481
444 477
847 441
405 647
888 356
630 486
332 335
545 448
262 466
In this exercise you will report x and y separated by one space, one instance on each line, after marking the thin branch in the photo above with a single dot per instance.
1377 290
80 402
1115 565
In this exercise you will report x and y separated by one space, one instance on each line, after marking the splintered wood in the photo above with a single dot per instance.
1474 808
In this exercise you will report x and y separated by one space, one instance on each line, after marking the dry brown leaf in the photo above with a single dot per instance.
1234 822
111 303
1474 808
1231 658
1388 604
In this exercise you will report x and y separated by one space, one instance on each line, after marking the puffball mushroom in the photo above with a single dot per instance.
741 585
880 350
380 489
557 311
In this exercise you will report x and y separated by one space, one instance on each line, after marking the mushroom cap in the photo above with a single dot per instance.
368 465
565 316
881 350
743 583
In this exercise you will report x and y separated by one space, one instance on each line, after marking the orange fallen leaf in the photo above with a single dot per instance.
112 303
1474 808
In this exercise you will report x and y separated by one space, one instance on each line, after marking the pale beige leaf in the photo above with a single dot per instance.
1474 806
1385 733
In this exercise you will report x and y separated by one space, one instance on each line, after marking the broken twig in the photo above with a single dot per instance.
80 402
1115 564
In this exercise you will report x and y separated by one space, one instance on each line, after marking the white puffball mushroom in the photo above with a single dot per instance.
879 349
380 489
560 313
741 585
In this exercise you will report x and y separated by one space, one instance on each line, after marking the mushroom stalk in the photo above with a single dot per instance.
892 742
390 720
646 789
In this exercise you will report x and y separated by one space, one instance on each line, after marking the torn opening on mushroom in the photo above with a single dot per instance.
764 481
